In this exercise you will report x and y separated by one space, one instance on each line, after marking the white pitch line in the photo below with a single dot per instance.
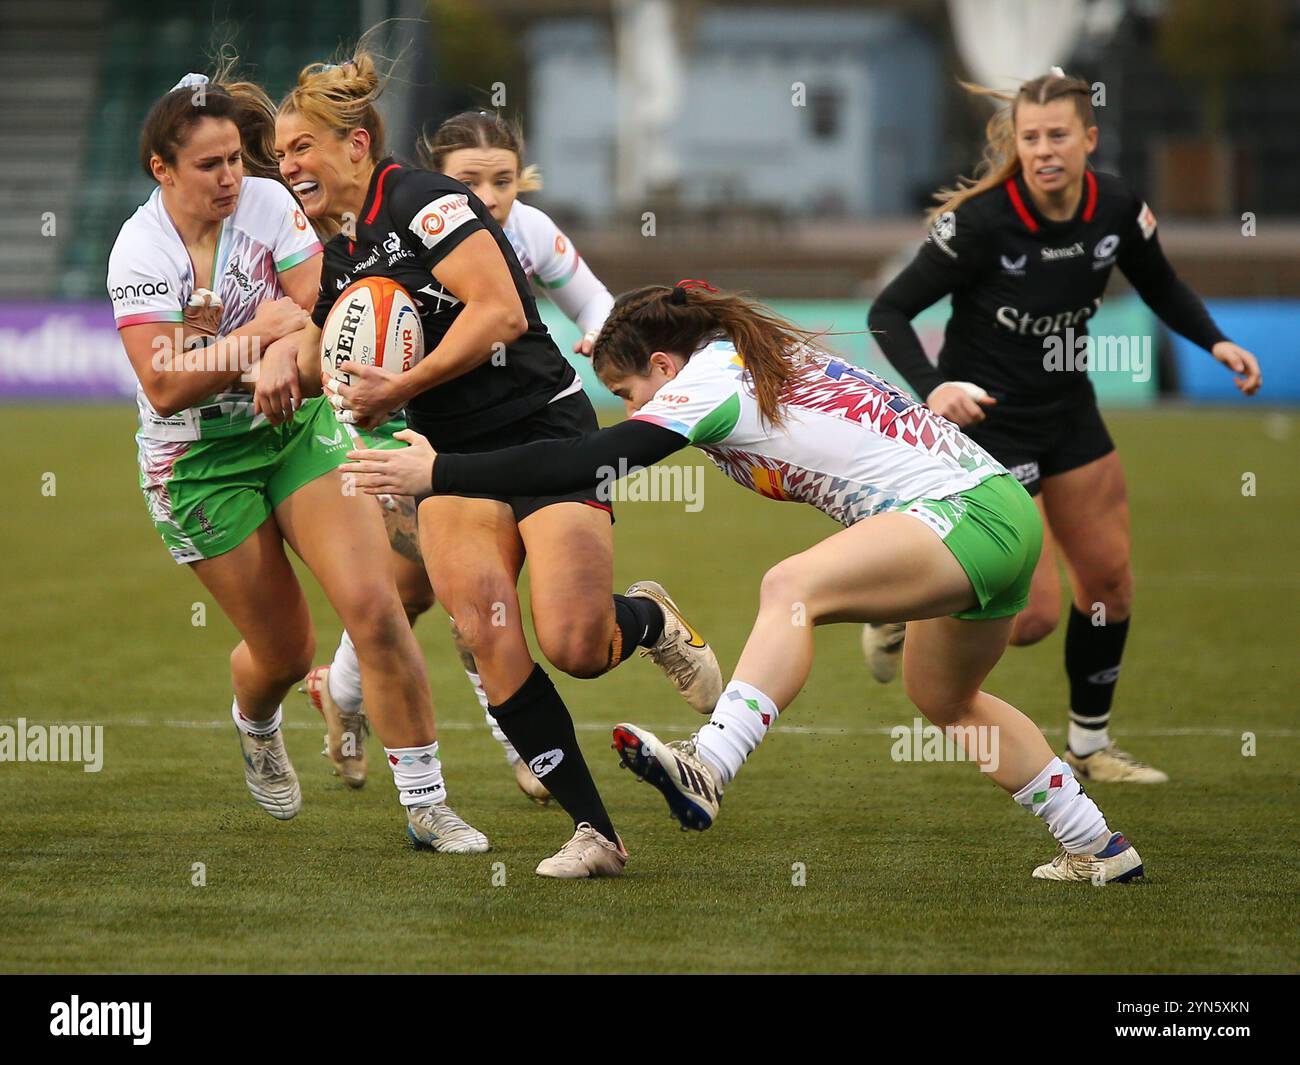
797 730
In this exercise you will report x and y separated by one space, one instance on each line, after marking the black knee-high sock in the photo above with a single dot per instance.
639 622
537 723
1092 658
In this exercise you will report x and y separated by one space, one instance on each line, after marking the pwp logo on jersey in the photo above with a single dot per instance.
133 1019
299 221
441 217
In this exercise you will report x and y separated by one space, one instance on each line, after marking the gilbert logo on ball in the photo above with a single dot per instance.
374 322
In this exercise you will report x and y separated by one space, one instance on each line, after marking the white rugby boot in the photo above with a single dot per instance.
269 774
587 854
345 731
681 652
689 784
437 827
882 646
1111 765
1117 863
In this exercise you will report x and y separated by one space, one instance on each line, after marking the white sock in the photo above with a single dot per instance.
417 774
345 676
512 756
736 728
1085 741
1070 815
476 682
255 728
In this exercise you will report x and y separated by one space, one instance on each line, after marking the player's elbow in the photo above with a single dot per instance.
162 397
513 321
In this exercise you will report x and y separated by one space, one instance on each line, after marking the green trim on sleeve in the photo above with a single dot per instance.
718 424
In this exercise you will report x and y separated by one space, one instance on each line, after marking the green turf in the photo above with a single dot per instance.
910 867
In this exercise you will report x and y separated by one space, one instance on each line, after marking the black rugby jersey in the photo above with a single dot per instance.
1017 280
411 220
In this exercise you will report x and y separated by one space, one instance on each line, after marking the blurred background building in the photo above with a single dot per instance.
785 148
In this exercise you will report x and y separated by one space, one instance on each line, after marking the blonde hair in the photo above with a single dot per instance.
341 97
1000 160
478 129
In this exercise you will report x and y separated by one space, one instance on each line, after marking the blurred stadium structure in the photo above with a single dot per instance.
783 148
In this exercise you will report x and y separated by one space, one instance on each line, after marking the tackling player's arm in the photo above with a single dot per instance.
157 356
545 467
278 386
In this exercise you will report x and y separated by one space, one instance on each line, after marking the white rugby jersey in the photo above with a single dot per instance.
852 444
151 278
552 263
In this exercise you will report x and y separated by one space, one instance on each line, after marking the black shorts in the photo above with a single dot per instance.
560 419
1042 441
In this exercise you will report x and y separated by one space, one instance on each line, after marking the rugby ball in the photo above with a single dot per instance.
374 322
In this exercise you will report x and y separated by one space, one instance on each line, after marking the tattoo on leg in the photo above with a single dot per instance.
402 532
466 656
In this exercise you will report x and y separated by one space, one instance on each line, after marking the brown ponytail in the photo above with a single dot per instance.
1001 161
172 119
682 318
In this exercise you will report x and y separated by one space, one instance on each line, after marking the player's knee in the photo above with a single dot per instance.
1113 589
579 647
1031 626
938 708
284 665
415 591
482 614
783 587
375 622
416 599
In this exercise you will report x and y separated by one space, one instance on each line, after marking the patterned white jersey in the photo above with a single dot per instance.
552 263
852 444
151 278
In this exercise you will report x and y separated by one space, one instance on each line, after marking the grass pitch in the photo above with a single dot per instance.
908 867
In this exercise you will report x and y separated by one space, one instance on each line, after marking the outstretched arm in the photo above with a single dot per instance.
545 467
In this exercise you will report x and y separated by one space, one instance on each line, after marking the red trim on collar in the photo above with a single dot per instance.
1020 207
1091 179
379 192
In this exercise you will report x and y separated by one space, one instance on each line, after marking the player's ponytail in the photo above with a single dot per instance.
478 129
342 97
255 117
1001 161
681 319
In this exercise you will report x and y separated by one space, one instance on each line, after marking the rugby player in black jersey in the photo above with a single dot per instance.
491 377
1026 251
